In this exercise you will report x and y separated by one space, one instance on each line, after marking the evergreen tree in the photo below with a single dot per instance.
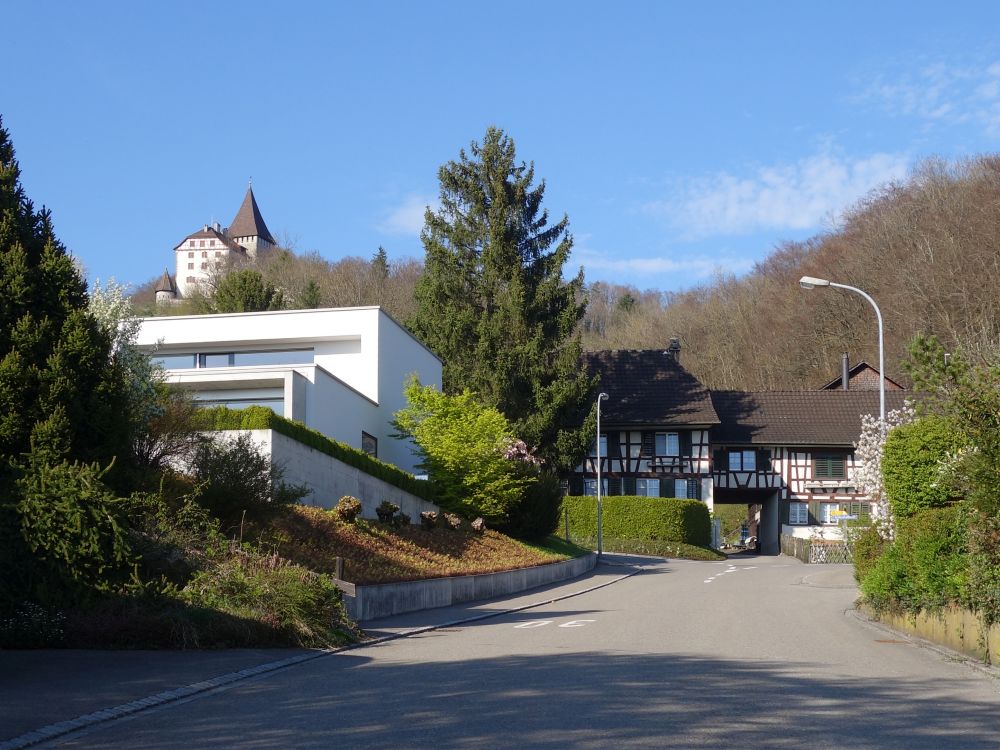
492 302
246 291
63 410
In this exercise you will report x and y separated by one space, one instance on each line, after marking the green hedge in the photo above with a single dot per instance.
218 418
911 465
640 518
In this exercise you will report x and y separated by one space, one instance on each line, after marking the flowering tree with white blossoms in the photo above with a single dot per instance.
868 476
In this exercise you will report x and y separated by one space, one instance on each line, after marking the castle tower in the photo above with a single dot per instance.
248 228
166 290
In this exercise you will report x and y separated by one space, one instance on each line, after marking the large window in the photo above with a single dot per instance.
826 512
590 487
647 487
233 359
798 514
668 444
829 466
602 441
742 460
689 489
369 444
276 404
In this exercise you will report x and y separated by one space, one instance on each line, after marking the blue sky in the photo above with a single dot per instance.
680 138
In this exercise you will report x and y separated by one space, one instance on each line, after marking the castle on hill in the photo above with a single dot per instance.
197 255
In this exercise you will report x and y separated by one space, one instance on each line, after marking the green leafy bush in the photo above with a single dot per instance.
464 448
234 477
867 545
641 518
912 462
69 523
925 567
261 418
536 513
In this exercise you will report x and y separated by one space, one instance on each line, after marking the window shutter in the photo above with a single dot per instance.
764 459
648 444
628 485
685 441
614 486
614 447
719 460
694 489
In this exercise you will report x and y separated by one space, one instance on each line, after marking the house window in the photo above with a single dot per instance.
590 487
742 460
204 266
826 513
211 243
204 253
191 255
603 441
369 444
190 266
647 487
829 466
798 514
218 253
190 244
202 243
215 360
173 361
668 444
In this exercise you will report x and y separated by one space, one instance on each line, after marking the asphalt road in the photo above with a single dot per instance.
754 653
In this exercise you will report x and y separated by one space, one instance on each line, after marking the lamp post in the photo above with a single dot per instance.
600 530
811 282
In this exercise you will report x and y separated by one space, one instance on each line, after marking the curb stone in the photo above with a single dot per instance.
62 728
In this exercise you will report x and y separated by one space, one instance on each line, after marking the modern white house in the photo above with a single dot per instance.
339 371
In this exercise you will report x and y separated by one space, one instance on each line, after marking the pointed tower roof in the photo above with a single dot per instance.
249 222
166 283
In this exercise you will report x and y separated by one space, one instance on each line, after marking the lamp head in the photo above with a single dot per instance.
602 396
811 282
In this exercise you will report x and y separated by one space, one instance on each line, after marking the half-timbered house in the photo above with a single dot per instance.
786 455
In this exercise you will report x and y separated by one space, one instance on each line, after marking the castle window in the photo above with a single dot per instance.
218 253
204 266
191 255
191 280
204 253
191 244
211 243
190 266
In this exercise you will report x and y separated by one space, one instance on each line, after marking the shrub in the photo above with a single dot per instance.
925 567
463 447
911 465
402 521
536 514
867 544
428 520
452 521
235 477
386 510
641 518
348 509
261 418
69 523
304 608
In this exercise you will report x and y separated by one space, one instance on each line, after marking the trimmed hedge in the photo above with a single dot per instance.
640 518
911 465
219 418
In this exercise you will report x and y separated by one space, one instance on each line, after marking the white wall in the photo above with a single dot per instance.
330 479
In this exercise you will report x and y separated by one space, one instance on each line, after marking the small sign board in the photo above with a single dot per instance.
848 518
839 513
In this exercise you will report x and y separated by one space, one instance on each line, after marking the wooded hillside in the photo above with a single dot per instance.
927 250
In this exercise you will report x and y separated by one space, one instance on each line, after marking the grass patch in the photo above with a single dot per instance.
377 553
559 546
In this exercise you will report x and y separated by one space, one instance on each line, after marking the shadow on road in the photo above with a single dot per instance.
594 700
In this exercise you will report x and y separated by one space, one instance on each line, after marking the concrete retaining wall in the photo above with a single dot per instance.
385 599
330 479
954 627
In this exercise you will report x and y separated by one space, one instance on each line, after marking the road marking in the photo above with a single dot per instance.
576 623
533 624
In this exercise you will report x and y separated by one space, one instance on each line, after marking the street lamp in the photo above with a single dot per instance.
600 537
811 282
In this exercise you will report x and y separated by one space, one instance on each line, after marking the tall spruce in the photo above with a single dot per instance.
492 302
62 421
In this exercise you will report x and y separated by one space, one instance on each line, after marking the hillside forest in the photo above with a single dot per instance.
926 248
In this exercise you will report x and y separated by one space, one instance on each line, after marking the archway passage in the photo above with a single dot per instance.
762 514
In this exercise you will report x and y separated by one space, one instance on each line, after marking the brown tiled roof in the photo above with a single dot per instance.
796 417
249 222
166 283
210 233
649 387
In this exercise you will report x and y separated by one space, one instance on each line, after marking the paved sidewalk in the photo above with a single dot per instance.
43 687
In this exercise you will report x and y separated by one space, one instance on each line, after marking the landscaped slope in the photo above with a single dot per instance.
379 553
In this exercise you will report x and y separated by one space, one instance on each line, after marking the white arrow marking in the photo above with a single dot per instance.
576 623
534 624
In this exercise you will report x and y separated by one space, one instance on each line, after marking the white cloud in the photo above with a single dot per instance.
408 216
943 93
697 266
803 195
